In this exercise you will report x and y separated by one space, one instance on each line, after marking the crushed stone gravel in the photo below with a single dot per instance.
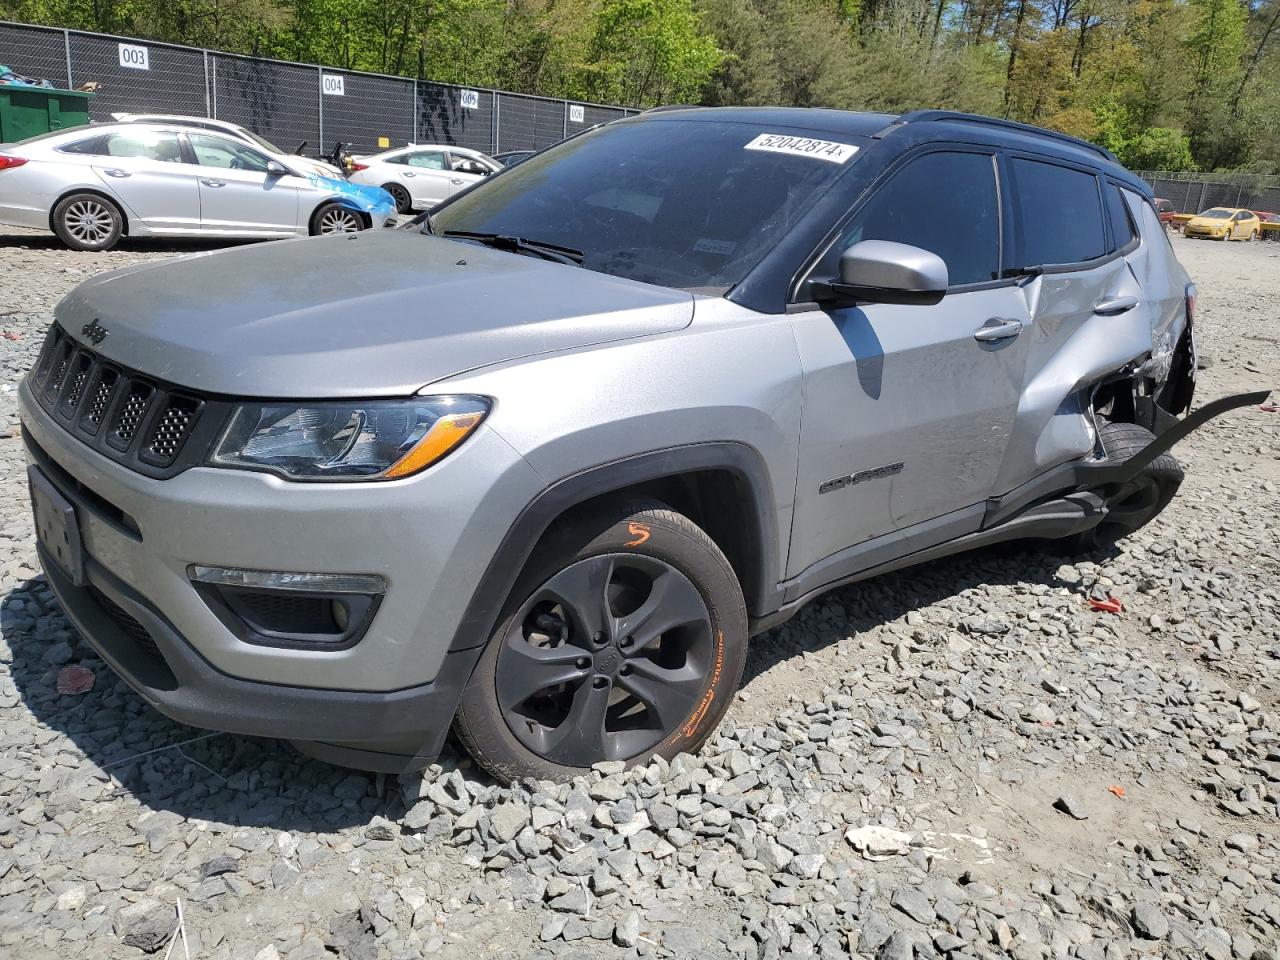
883 787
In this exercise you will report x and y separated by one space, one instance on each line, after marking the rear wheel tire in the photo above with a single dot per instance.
335 218
87 221
624 637
404 203
1136 503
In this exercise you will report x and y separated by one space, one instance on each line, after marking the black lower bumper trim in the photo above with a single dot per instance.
396 730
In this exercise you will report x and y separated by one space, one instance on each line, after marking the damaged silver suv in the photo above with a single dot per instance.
538 466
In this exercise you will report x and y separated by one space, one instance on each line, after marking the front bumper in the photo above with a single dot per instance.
393 731
430 537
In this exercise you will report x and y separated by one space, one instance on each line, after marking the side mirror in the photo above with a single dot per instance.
881 271
277 169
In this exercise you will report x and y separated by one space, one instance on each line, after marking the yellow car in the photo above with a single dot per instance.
1223 223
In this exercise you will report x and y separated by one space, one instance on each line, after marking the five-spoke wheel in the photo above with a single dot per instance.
629 645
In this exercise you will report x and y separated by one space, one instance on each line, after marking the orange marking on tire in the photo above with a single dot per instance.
638 530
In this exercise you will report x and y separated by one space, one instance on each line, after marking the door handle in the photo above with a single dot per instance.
997 329
1115 306
453 181
408 174
213 183
117 173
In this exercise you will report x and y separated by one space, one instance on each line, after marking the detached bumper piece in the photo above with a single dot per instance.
392 732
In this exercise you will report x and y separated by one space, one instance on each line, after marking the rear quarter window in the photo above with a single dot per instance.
1057 214
1122 230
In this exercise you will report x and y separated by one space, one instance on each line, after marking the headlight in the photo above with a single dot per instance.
357 440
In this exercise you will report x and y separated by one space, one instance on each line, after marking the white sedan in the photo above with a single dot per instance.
236 132
93 184
418 177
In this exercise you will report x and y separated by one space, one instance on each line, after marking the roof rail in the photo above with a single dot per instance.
671 106
924 116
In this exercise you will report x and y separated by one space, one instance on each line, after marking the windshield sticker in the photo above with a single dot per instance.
827 150
720 247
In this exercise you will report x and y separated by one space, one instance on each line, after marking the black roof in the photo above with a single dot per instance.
916 127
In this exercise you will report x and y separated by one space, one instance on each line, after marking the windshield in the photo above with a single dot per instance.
264 143
685 204
1217 213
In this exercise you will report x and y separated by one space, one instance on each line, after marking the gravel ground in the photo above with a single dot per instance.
958 761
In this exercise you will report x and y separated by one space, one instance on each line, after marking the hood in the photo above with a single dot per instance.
378 313
1209 222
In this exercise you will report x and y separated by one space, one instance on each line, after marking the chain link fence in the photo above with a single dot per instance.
291 103
1193 192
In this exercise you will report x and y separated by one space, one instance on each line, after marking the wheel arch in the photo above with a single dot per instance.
724 487
71 191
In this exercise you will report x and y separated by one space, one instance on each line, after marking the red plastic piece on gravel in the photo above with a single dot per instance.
75 680
1109 605
1269 408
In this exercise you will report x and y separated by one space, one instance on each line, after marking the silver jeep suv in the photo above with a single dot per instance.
538 466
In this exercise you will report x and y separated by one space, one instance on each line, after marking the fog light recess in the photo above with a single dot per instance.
318 611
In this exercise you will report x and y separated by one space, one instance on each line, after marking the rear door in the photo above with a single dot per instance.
146 170
907 409
1088 314
237 194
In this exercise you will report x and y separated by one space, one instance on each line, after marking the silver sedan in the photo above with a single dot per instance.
93 184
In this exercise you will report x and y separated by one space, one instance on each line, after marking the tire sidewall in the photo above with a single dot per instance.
397 192
322 210
663 536
65 235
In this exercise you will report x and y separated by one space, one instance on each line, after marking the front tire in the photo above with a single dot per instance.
87 221
1136 503
624 637
335 218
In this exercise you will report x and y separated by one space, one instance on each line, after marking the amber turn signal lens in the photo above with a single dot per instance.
445 434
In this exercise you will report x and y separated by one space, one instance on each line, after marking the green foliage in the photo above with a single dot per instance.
1177 84
1157 148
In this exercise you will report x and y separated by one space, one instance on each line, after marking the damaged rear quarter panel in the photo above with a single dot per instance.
1072 349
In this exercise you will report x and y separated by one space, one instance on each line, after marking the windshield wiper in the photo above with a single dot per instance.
501 241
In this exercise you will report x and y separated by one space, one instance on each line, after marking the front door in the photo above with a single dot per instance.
145 169
908 409
237 193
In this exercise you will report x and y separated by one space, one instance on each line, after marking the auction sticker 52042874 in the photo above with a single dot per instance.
828 150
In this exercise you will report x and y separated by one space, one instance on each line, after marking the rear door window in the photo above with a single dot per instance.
1058 215
146 145
427 161
960 224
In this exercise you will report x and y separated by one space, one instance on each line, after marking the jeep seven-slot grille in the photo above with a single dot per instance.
132 418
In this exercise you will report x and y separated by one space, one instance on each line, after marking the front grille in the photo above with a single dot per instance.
127 624
138 420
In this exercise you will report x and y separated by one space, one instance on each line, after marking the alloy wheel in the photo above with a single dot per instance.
605 660
339 220
90 221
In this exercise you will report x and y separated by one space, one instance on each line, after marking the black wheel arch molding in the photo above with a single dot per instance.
762 558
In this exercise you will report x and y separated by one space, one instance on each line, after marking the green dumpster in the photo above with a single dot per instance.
27 111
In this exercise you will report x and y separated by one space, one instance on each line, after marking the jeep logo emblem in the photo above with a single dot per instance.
94 331
608 661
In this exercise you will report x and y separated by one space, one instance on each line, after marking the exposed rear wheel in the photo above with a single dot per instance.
335 218
1132 505
624 637
86 221
404 203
